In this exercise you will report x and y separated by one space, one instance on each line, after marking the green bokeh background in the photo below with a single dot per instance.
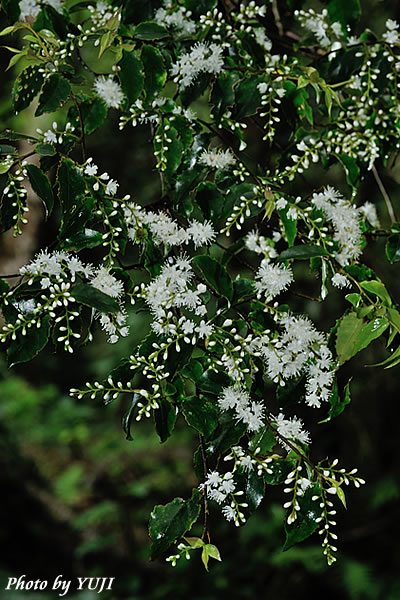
76 495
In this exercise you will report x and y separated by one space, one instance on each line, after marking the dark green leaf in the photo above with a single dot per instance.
89 238
26 347
12 10
41 186
345 12
171 521
6 149
55 92
93 111
254 489
280 470
243 289
215 275
173 150
227 434
263 439
223 94
200 7
302 252
12 136
52 20
306 523
213 382
91 296
155 74
248 98
71 194
193 91
45 149
210 200
290 225
338 404
393 248
131 76
150 31
127 418
201 414
26 87
165 419
351 169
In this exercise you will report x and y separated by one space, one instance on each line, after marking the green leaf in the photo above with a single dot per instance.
201 414
149 30
353 335
215 275
194 542
280 470
88 238
338 404
354 299
26 87
254 489
248 97
213 382
209 551
55 92
378 289
155 74
302 252
25 347
128 416
171 521
90 296
165 419
351 169
223 95
290 225
393 248
52 20
71 193
45 149
210 200
305 524
131 76
7 149
243 289
41 186
263 439
94 112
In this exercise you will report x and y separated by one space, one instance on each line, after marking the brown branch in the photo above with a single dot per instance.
385 195
205 499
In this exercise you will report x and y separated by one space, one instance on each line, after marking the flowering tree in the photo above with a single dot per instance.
218 252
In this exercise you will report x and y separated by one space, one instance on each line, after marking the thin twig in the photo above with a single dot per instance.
83 141
277 17
385 195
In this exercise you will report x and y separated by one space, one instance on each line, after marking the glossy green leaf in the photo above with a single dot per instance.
155 74
338 404
378 289
200 7
280 470
91 296
213 382
248 97
41 186
223 94
254 489
173 149
7 149
210 200
393 248
264 439
354 334
45 149
215 275
243 289
351 169
345 12
201 414
76 209
131 76
290 226
149 30
306 523
128 416
93 111
209 551
26 87
170 521
302 252
25 347
165 419
88 238
56 91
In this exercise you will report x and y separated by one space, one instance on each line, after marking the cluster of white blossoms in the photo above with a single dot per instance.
222 488
271 280
300 349
164 229
217 159
345 220
171 289
109 91
340 281
178 20
292 429
391 35
246 410
101 13
31 8
319 25
262 245
202 58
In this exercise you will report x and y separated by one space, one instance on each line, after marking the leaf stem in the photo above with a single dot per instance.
385 195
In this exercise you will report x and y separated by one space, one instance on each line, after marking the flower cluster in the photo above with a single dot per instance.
246 410
202 58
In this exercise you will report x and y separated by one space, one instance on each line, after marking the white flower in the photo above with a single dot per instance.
178 20
50 137
109 91
291 429
229 513
201 233
204 329
340 281
201 59
272 279
217 159
108 284
369 211
112 187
